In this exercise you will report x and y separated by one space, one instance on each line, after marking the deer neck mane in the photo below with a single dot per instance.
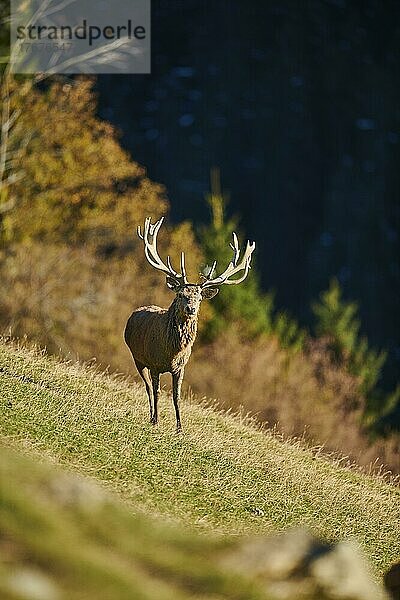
182 330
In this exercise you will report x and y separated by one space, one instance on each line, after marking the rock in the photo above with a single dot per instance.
296 565
342 573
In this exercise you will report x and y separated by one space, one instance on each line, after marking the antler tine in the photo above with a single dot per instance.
139 231
183 270
145 229
170 267
154 229
234 266
211 273
235 248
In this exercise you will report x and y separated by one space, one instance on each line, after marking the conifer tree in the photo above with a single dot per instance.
337 320
244 304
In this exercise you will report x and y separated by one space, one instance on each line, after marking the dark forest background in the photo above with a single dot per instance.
297 103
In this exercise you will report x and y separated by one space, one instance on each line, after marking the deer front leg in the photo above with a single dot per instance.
177 379
155 379
144 375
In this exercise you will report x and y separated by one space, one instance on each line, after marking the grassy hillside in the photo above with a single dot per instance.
64 538
73 541
220 475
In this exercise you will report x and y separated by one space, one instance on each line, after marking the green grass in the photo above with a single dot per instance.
221 475
62 537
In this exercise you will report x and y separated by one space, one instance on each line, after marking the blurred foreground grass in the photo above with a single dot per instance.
62 536
221 475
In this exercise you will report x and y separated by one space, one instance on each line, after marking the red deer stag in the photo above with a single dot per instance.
161 339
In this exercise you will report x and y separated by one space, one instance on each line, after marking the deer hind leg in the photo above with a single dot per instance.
144 375
155 379
177 379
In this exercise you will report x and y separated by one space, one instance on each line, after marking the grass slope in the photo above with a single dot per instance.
72 541
220 475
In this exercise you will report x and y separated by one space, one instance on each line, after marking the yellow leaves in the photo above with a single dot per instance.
78 183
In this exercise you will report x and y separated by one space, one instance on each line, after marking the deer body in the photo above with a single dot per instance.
161 339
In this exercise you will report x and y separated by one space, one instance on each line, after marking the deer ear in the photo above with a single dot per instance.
172 284
208 293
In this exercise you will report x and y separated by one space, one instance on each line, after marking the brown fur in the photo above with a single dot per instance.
161 341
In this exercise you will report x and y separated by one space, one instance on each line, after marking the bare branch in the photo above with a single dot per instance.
5 129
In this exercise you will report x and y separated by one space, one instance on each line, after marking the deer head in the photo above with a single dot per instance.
190 295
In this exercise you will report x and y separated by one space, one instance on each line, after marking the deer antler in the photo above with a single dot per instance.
234 266
150 250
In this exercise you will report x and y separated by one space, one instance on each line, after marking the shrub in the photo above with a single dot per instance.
74 302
